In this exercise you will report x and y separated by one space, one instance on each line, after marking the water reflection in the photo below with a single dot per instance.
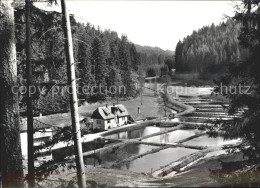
173 136
135 133
156 160
111 156
152 161
205 140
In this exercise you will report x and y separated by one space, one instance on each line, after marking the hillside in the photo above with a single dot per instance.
104 59
154 50
209 50
155 61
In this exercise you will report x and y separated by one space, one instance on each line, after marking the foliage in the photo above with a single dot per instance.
164 70
245 75
210 49
150 72
163 100
102 59
47 168
163 110
155 58
231 175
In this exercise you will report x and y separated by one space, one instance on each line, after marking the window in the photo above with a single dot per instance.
98 121
108 121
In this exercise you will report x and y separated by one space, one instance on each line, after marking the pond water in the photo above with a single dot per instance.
193 91
152 161
173 136
205 140
136 133
111 156
155 160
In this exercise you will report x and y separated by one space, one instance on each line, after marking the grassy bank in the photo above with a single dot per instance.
149 107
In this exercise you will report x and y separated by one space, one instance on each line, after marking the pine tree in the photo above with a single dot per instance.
178 56
112 64
207 47
98 62
125 67
135 60
84 68
247 128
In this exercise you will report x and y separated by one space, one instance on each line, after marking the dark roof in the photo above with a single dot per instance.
37 125
102 113
55 120
122 111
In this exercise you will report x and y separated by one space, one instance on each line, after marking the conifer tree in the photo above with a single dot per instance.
98 61
126 74
246 72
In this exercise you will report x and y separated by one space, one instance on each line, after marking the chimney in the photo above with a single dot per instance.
106 105
138 110
113 104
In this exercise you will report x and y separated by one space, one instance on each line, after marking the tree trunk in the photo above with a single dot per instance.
30 130
11 156
73 97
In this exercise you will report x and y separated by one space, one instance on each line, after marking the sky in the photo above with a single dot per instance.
151 23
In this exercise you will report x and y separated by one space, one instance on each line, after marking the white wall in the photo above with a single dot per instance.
121 121
24 144
104 124
112 124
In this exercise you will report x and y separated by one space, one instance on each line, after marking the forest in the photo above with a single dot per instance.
210 50
103 59
159 61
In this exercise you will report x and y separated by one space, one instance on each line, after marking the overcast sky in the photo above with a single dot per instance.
151 23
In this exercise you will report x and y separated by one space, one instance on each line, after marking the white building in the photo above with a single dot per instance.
42 133
110 116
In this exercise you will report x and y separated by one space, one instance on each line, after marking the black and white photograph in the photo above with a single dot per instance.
129 93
